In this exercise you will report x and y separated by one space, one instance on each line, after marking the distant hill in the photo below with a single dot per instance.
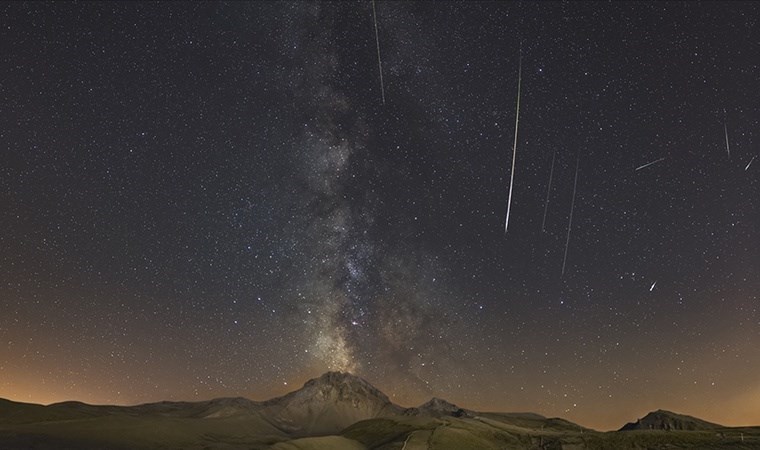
437 407
336 411
666 420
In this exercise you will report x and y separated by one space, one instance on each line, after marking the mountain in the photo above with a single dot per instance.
328 404
666 420
337 411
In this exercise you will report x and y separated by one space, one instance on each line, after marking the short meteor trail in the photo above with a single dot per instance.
514 146
648 164
749 163
652 288
548 190
728 149
379 62
572 207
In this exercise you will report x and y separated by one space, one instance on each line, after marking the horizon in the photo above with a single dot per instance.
224 199
290 389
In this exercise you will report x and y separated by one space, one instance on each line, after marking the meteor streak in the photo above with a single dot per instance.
379 62
652 288
572 207
548 190
728 149
514 146
648 164
750 162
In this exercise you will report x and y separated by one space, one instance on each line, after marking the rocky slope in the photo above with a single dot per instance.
328 404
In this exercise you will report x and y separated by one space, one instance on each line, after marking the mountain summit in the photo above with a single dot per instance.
329 404
346 386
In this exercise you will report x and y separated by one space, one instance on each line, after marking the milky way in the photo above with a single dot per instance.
220 199
350 293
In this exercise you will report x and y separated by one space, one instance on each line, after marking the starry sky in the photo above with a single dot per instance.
211 199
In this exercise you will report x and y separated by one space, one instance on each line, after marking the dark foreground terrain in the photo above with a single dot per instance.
338 411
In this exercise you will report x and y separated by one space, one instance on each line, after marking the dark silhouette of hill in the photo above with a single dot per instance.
666 420
437 407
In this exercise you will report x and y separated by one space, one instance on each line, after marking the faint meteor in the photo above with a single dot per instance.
572 207
379 62
728 149
514 146
652 288
749 163
648 164
548 190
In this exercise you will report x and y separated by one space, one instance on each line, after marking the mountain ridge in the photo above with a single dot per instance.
336 411
333 389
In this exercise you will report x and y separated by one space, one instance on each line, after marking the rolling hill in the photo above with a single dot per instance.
666 420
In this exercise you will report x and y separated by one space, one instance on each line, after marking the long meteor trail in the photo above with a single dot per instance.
572 207
514 146
548 190
379 62
648 164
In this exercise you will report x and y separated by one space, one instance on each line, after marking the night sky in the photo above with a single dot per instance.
211 199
